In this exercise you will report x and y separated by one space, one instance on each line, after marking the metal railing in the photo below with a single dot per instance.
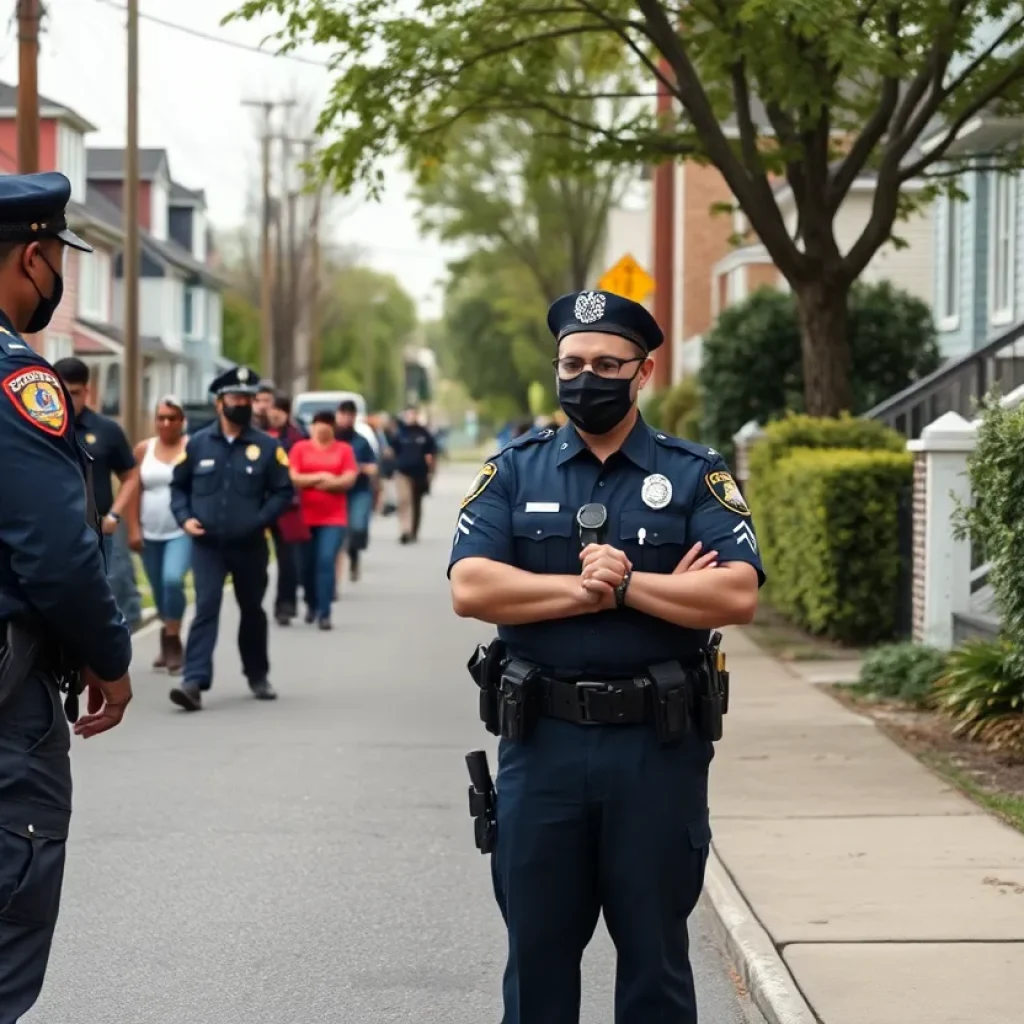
957 386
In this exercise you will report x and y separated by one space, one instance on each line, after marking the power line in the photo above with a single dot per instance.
212 38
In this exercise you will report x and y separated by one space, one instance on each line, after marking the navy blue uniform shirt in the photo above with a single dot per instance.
663 495
412 444
235 488
51 565
364 454
104 440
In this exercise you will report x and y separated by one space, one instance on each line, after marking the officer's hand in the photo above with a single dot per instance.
691 563
116 697
109 525
605 565
193 527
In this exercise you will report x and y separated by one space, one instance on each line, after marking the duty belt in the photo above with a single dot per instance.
625 702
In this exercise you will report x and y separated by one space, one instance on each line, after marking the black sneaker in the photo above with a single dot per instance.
353 573
310 616
188 698
262 690
324 625
404 539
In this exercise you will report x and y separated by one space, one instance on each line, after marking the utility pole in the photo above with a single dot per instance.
29 13
267 259
131 392
285 354
315 312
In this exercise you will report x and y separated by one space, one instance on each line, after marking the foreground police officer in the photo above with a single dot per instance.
229 486
605 691
57 613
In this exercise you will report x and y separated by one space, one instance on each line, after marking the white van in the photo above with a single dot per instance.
307 404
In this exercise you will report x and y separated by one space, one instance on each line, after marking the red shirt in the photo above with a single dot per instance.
322 508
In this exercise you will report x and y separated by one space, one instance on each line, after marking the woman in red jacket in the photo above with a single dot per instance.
322 469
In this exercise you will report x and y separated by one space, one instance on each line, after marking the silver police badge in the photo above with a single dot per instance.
656 491
589 307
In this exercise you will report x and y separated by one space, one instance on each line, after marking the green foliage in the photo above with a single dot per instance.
827 523
242 333
995 521
905 672
982 692
679 409
752 359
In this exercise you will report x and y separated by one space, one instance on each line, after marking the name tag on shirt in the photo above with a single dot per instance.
207 462
542 506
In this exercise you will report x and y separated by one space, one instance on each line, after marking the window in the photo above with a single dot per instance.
58 346
94 286
71 160
158 209
1002 227
194 319
949 262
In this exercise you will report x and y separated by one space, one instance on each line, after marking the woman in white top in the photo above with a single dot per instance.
152 529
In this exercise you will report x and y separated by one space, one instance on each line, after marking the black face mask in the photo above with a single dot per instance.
344 433
240 415
595 404
47 306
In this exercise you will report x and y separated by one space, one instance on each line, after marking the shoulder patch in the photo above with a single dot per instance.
38 396
702 451
488 471
281 455
727 492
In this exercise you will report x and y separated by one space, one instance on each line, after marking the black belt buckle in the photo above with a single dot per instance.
600 704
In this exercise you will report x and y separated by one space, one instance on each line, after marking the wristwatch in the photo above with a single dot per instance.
114 516
620 590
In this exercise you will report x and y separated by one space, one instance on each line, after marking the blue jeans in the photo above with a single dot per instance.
360 508
321 559
121 573
166 562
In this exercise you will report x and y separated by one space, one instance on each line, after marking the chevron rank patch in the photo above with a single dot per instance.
727 492
487 473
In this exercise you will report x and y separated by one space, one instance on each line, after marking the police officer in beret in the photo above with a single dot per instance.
230 484
607 553
58 617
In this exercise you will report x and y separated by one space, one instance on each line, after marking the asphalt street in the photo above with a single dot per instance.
309 860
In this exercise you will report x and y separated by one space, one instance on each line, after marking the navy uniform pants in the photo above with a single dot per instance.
35 810
596 819
246 563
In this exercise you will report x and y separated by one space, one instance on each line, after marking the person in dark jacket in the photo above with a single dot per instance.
230 484
287 544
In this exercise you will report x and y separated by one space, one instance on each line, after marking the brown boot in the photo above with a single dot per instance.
160 661
174 654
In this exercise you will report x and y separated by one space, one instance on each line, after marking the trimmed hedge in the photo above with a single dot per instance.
828 528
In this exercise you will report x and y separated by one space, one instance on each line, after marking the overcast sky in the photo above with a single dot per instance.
191 93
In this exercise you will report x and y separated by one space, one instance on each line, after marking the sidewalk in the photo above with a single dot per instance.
892 898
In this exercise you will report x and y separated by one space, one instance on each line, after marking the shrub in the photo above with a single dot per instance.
983 695
828 527
906 672
798 431
680 412
651 405
752 360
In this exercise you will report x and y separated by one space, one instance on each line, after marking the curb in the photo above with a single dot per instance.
759 963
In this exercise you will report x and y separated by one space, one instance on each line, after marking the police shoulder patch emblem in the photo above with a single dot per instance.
487 473
252 453
727 492
37 394
282 455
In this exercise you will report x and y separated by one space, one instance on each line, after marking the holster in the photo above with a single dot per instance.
485 666
518 700
672 698
713 697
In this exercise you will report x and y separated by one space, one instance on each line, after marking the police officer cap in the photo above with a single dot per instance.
604 313
32 207
239 380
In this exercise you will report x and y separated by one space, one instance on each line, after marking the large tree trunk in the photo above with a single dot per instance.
824 320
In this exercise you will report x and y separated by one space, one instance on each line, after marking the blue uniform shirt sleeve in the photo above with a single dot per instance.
55 555
721 520
181 483
279 487
484 527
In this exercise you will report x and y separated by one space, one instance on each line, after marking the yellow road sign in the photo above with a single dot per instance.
628 279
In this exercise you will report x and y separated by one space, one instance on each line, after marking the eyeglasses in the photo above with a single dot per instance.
569 367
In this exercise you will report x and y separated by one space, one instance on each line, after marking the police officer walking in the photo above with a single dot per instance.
607 553
58 619
230 484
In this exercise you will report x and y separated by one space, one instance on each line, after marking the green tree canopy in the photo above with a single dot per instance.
815 91
242 330
752 368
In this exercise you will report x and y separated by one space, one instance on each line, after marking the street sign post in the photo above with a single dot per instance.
628 279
